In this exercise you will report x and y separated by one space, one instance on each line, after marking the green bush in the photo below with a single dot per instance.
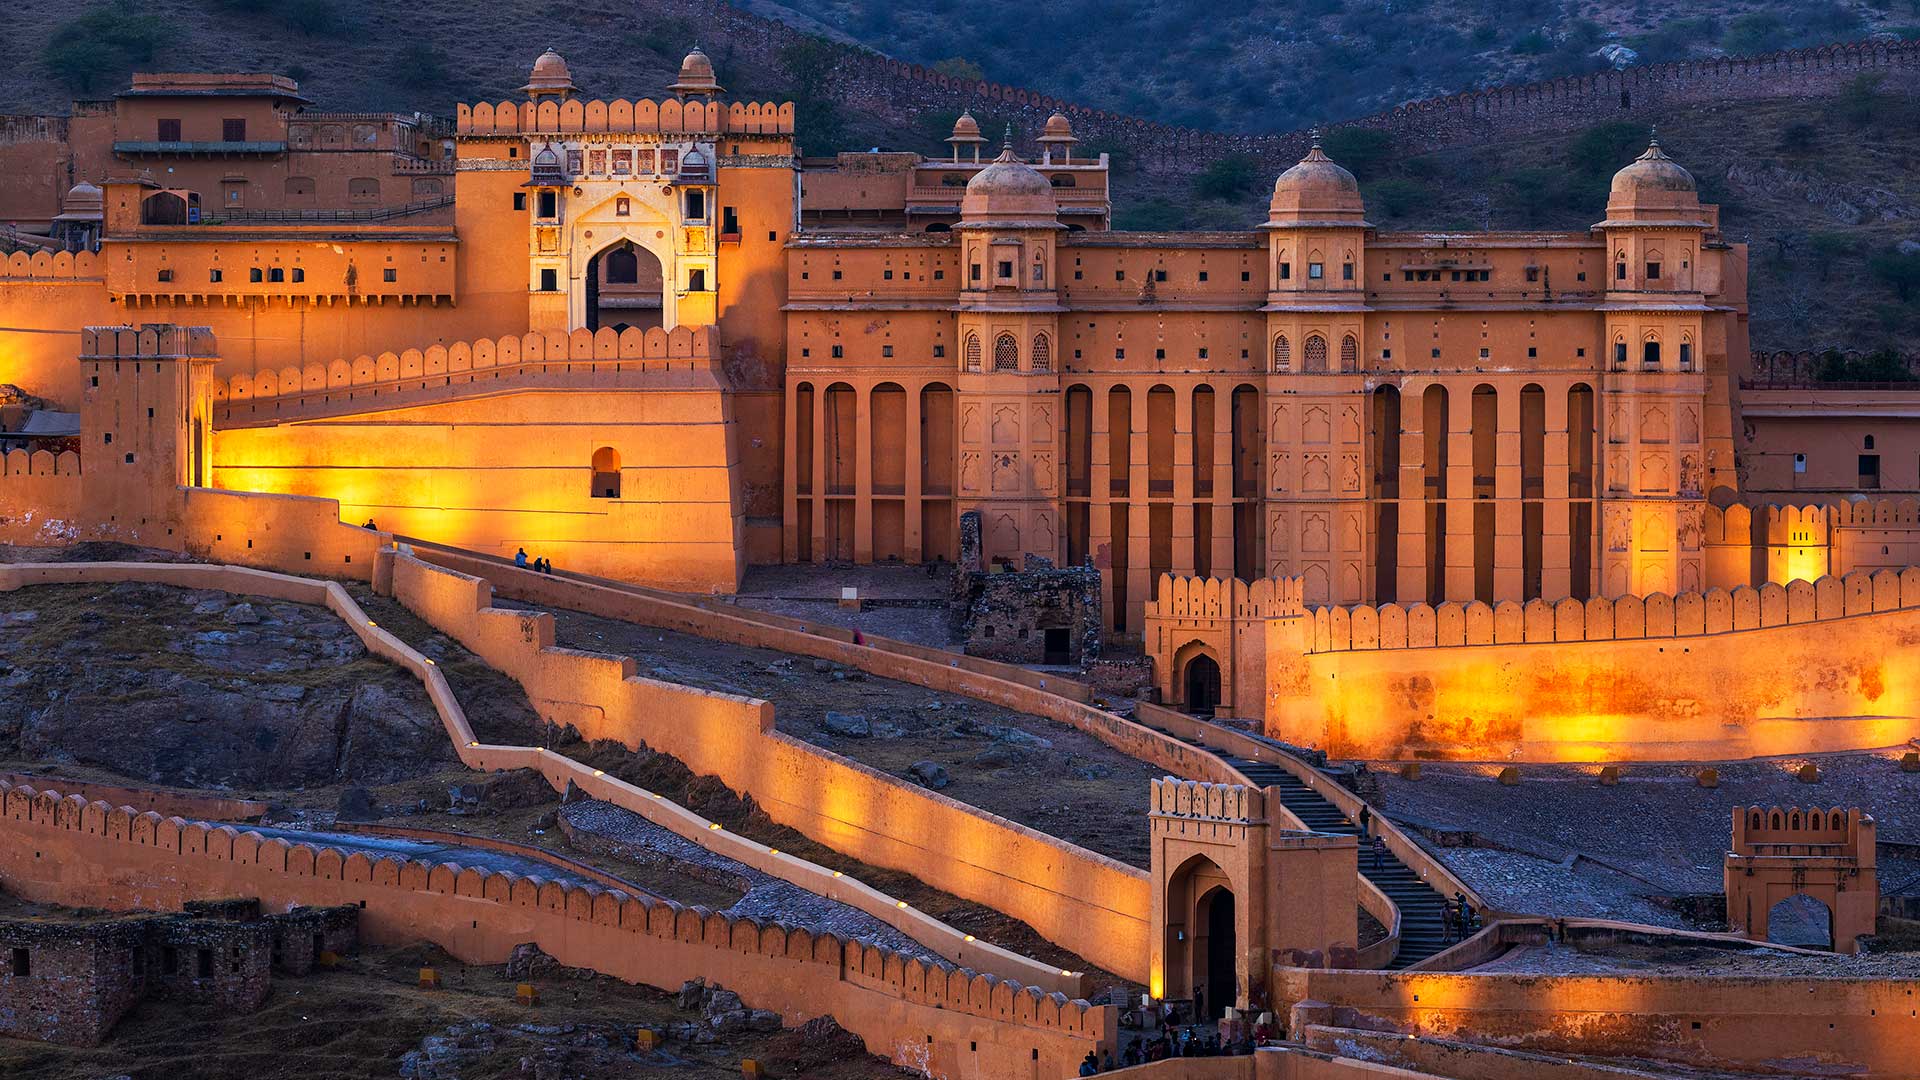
1899 271
1365 152
1228 177
1393 197
101 46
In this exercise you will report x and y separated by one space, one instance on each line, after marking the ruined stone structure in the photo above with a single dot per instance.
1823 856
1038 614
70 977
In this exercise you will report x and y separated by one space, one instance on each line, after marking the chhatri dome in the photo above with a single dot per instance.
550 76
966 132
1654 187
1010 191
696 75
1316 190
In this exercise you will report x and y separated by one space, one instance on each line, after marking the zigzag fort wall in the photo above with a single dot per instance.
68 851
902 90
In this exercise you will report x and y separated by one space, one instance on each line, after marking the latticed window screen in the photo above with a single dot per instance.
1006 353
1314 358
1282 353
973 352
1349 354
1042 353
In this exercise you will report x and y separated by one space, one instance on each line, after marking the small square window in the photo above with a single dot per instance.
939 351
168 131
1286 271
1799 463
1436 354
1159 354
1203 275
939 275
390 274
1346 271
1386 354
836 275
1159 275
1581 276
1077 275
1119 275
839 351
1246 275
165 274
697 280
519 200
1119 354
1316 271
214 275
549 280
299 273
1203 353
276 274
233 131
256 275
1653 271
886 350
1004 269
1532 352
886 275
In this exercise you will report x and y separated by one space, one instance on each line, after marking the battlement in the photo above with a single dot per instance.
1715 611
16 463
1759 831
606 347
1208 802
644 117
158 341
52 266
1178 597
905 978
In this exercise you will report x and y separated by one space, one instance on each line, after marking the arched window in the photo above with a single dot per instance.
973 352
363 189
1314 357
1006 353
1282 354
1043 358
426 185
365 135
606 473
299 186
1349 354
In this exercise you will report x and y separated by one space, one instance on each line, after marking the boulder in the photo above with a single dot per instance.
929 774
848 724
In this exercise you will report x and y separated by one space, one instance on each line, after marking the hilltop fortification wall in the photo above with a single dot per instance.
868 81
66 850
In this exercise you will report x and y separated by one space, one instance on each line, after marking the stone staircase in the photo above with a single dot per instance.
1421 925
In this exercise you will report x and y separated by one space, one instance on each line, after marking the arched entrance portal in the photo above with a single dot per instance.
1800 920
1219 950
625 288
1203 685
1202 936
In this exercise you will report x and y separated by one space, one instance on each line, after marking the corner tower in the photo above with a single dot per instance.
146 413
1008 330
1316 307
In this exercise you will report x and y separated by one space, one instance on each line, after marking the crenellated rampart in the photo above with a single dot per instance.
53 266
64 849
604 359
1367 627
644 117
39 497
866 80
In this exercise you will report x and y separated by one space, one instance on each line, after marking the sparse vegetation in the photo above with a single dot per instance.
100 47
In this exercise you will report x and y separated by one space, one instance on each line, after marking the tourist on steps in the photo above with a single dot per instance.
1091 1066
520 558
1366 820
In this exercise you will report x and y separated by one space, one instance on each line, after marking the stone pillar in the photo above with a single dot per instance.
820 510
1509 560
1460 492
863 474
1100 499
914 541
1556 549
1139 514
1183 456
1413 495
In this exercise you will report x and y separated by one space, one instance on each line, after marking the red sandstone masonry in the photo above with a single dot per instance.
559 771
63 849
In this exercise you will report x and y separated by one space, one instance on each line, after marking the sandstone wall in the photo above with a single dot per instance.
560 771
953 1022
1833 1026
39 498
1809 667
1083 901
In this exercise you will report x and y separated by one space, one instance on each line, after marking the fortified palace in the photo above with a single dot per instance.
1504 496
651 341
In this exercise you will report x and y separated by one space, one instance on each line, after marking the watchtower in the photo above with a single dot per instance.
146 416
1783 856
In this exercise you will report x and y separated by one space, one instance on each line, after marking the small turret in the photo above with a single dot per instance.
696 76
550 78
